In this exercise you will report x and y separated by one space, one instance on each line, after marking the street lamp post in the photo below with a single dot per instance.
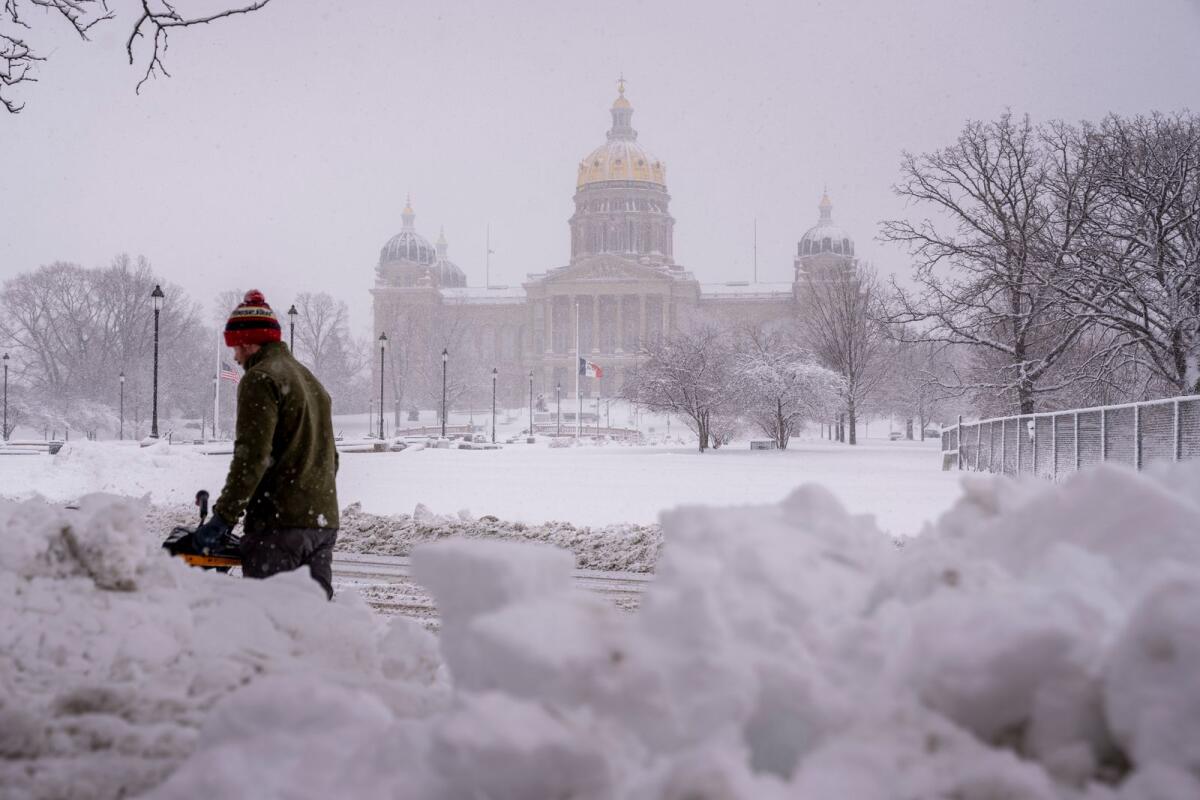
5 429
292 312
493 405
558 410
531 405
122 412
156 297
445 359
382 349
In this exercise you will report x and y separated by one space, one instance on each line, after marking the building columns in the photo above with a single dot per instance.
572 342
619 346
642 322
595 323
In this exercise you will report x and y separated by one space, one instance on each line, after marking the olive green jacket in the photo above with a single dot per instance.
284 459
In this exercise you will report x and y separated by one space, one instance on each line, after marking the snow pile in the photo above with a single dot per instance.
1039 642
171 473
627 547
113 654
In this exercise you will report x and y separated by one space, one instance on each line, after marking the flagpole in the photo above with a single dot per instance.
578 366
217 393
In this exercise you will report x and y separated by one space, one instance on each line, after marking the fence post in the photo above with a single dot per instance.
1076 415
1137 437
1004 447
1103 435
1019 434
978 443
1035 446
992 447
959 437
1054 447
1178 435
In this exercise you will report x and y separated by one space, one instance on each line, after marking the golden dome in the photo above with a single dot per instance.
621 158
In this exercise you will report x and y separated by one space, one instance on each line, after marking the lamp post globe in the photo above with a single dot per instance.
445 359
382 349
156 299
292 314
494 374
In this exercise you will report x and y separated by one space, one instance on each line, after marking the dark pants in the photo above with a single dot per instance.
267 553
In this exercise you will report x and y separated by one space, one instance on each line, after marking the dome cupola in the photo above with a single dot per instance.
621 200
408 245
825 237
621 158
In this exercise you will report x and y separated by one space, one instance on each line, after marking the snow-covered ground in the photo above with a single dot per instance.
898 482
1040 642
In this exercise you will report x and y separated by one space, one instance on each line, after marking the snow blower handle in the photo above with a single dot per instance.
202 501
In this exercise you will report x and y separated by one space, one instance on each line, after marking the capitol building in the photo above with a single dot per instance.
620 289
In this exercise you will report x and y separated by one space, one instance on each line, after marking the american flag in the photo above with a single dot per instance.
228 373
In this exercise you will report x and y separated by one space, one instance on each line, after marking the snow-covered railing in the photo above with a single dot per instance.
1056 443
568 430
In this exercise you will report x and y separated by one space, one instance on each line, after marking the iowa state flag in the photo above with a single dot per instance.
589 370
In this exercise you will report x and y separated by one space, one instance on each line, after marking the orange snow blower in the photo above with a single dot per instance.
181 543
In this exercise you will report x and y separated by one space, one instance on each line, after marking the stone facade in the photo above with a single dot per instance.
620 290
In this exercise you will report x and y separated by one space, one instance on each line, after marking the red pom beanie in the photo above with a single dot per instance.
253 322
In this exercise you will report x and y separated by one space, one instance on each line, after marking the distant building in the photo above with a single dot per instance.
621 288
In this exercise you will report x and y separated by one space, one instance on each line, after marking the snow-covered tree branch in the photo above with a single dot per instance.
155 21
982 269
690 373
783 387
839 321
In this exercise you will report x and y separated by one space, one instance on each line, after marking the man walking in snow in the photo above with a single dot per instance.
284 460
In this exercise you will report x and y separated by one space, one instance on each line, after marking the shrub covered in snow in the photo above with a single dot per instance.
1039 642
627 547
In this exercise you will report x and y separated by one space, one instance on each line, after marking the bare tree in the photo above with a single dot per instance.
17 414
1140 279
689 373
919 383
75 330
782 385
324 342
1009 232
155 21
839 322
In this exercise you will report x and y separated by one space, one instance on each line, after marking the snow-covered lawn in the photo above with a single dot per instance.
1041 642
899 482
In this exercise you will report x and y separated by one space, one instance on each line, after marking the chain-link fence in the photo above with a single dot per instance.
1057 443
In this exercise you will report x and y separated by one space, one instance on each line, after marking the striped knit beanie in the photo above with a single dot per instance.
253 322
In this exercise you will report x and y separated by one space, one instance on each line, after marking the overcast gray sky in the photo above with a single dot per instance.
280 152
